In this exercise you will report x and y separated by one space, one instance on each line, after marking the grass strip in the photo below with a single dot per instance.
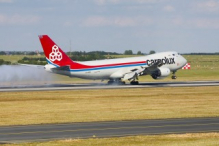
22 108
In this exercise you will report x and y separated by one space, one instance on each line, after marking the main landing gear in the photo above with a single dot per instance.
174 76
134 82
115 82
119 82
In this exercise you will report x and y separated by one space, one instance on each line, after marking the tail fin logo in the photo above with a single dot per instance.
55 54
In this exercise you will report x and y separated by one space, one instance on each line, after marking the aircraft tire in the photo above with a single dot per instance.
134 83
174 77
110 82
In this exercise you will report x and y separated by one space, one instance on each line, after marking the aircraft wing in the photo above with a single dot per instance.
154 66
142 71
134 74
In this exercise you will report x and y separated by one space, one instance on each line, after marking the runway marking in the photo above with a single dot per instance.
144 127
118 135
105 86
163 133
105 122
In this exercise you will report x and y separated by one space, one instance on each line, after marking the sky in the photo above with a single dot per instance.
184 26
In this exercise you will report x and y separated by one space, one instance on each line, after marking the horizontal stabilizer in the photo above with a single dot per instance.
63 68
30 65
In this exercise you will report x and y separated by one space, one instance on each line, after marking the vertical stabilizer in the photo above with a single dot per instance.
53 52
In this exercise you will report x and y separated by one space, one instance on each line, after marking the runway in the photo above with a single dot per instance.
46 132
86 86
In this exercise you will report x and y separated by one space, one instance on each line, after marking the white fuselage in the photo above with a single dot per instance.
117 68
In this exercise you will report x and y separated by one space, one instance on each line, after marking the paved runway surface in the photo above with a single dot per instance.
46 132
105 86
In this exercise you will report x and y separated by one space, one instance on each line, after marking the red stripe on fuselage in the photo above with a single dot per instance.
75 65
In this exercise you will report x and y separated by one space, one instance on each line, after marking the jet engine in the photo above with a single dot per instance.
160 73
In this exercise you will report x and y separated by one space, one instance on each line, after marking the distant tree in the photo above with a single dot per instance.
31 53
1 61
7 62
2 53
83 53
139 53
86 56
4 62
152 52
128 52
25 58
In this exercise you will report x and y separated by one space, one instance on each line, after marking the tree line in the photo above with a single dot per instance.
20 53
2 62
31 60
126 52
78 56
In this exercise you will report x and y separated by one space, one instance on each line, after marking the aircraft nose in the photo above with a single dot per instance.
184 61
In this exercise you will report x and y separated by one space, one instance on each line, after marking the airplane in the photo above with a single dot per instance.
116 71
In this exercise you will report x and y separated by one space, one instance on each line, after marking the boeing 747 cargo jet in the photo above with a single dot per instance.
158 66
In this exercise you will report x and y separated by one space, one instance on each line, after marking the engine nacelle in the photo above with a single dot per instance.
161 73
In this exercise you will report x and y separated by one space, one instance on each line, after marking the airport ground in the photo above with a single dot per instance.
199 139
203 68
22 108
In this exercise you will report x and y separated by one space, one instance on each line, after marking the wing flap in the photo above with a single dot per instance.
134 74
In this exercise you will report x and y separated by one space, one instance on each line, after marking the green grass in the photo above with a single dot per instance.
187 75
197 139
15 58
203 67
21 108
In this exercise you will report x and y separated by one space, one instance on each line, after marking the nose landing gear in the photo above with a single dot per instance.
174 77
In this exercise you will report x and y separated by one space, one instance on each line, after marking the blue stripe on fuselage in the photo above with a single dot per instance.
100 68
108 67
51 62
